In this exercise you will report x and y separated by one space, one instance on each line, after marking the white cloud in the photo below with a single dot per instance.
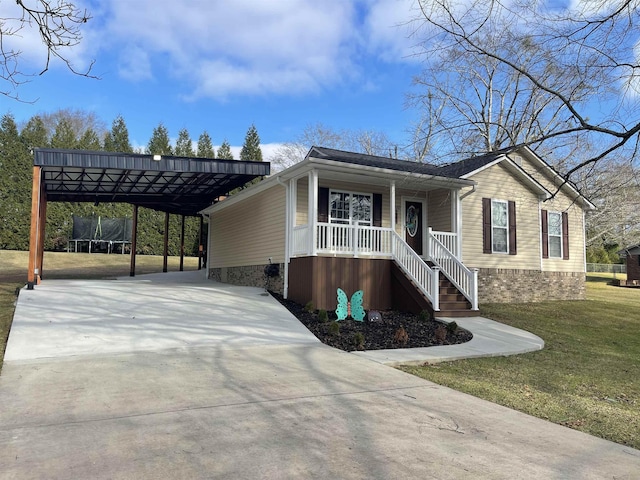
394 29
250 47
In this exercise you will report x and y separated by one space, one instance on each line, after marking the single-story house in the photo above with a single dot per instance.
632 260
501 227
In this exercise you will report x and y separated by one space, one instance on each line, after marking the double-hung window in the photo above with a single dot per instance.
350 208
555 234
499 226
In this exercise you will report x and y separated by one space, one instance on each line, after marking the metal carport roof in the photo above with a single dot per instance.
179 185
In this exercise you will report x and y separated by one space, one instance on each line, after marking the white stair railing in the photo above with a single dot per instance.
425 277
464 279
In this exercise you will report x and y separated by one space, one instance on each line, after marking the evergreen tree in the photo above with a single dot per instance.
64 135
159 144
89 141
205 146
117 140
34 134
16 167
184 147
224 152
251 149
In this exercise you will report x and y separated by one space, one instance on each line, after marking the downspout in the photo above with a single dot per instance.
287 234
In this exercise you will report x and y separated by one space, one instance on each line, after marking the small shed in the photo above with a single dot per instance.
632 259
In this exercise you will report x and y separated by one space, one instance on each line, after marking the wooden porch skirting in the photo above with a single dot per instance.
316 279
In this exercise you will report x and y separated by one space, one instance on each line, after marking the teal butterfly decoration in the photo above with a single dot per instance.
351 308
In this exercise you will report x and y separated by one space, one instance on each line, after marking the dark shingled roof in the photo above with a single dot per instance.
468 165
178 185
376 161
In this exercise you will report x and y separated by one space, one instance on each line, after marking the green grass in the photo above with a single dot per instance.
13 274
588 375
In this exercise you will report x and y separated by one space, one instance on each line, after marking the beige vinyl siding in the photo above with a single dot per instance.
497 183
249 232
302 202
439 210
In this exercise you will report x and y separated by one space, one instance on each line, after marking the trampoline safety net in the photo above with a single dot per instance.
102 229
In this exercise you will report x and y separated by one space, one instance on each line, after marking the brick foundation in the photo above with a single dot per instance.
496 285
249 276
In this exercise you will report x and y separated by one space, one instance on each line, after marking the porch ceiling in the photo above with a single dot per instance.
171 184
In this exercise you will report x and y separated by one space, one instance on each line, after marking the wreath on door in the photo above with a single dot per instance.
412 221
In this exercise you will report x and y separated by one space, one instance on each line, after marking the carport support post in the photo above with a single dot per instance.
42 226
134 241
200 247
166 242
34 235
182 244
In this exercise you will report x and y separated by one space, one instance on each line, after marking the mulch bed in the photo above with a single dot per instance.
378 335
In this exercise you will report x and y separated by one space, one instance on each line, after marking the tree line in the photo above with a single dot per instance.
66 129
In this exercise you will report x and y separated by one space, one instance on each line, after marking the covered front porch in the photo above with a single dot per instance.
368 217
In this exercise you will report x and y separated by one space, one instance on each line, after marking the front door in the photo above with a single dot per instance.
413 225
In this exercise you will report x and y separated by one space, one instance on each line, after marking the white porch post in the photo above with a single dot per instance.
435 288
456 221
312 213
392 213
293 201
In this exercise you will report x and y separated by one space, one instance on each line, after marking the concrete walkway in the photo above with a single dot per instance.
286 407
490 339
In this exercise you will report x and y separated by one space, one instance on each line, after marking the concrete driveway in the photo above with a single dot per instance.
204 400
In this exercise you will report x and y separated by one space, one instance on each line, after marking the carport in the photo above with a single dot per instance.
174 185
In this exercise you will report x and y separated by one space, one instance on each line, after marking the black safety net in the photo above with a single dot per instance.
100 228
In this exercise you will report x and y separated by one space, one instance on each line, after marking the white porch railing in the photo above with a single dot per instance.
425 277
463 278
448 239
358 240
300 240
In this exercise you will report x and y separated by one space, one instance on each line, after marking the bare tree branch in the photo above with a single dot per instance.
58 23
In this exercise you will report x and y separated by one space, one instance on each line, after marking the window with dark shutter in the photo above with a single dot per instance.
499 226
545 234
377 210
323 205
486 225
513 248
565 236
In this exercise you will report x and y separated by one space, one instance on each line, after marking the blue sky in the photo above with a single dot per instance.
220 66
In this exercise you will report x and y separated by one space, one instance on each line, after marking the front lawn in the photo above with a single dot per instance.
588 375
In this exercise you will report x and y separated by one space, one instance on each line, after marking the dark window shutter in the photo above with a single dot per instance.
565 236
377 210
545 234
486 225
513 245
323 204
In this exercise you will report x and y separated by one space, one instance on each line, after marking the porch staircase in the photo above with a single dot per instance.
408 296
452 302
